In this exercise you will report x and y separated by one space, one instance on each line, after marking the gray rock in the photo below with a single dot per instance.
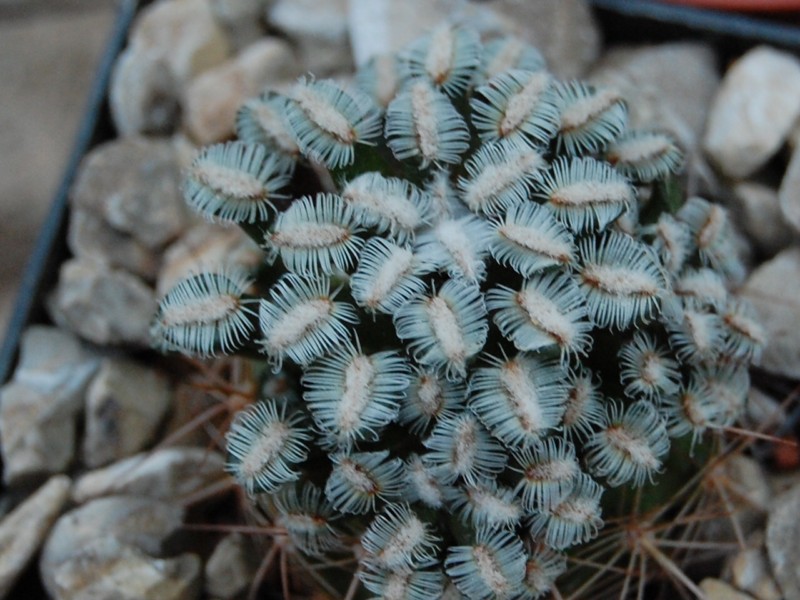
242 20
750 572
794 136
781 482
753 112
171 42
144 95
102 305
230 569
789 192
38 437
167 474
23 530
213 98
183 33
143 523
746 478
125 405
748 495
205 247
783 531
185 152
55 362
90 237
106 569
318 28
757 212
669 86
774 290
763 412
716 589
39 406
134 184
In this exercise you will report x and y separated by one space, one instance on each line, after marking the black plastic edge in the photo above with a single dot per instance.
705 22
42 267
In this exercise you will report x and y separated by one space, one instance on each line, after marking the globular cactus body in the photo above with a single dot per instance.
487 335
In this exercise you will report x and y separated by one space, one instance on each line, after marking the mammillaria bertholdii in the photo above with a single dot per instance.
494 309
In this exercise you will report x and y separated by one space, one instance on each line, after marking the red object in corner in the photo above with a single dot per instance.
786 454
743 5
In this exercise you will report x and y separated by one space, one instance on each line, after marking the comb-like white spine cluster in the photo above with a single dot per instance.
485 318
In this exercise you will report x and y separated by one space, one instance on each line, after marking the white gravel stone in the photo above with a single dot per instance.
716 589
125 405
242 20
38 436
383 26
748 482
23 530
53 361
783 531
185 152
90 237
750 572
789 192
40 405
757 212
144 95
230 569
102 305
763 412
212 99
184 33
134 185
167 474
143 523
774 290
564 31
171 42
754 111
319 30
105 568
749 493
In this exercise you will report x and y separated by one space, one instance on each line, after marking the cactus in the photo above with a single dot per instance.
498 312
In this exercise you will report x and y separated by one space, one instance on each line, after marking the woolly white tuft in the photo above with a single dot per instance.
584 193
302 321
353 396
548 311
235 182
422 123
500 176
457 246
388 204
204 314
622 279
315 236
530 239
630 447
447 329
328 121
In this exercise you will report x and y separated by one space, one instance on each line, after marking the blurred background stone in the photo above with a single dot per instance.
48 54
